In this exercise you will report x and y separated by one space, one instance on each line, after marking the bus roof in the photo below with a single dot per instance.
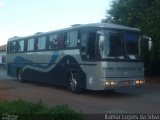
105 25
79 26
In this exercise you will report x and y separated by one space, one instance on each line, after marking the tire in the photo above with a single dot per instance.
74 83
19 75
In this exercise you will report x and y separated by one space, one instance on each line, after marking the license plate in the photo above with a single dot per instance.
126 82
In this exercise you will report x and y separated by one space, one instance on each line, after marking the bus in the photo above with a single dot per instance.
95 56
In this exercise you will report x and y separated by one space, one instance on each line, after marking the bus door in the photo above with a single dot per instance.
88 46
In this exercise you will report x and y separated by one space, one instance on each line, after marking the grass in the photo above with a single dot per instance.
23 110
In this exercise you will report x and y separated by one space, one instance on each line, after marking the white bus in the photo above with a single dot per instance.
97 56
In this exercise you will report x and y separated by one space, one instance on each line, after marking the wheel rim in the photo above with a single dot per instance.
73 83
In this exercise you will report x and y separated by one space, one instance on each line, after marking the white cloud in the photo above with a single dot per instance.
1 3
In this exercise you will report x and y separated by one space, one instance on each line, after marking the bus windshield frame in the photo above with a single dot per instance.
118 44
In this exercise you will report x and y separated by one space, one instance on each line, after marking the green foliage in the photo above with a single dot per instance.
24 110
142 14
21 107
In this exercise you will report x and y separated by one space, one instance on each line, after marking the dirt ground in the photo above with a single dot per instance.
144 100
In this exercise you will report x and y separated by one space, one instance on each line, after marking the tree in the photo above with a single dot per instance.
142 14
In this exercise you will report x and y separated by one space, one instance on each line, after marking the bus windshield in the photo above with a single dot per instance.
117 44
131 41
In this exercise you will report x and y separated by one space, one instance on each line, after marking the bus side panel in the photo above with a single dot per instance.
91 75
11 70
12 65
57 74
47 67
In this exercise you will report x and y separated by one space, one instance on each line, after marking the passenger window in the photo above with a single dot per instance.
53 44
60 40
13 47
42 43
30 45
9 45
71 40
21 46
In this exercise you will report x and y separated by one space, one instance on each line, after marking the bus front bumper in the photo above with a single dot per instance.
123 83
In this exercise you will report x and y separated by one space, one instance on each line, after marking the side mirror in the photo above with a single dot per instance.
150 45
101 45
101 41
149 41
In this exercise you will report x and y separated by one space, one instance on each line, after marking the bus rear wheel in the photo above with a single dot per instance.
19 75
74 83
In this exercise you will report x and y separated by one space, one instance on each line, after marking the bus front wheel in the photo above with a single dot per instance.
74 83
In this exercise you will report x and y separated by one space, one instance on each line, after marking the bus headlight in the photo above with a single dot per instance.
111 83
107 83
137 82
140 82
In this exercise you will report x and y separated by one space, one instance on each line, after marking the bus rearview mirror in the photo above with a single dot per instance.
149 41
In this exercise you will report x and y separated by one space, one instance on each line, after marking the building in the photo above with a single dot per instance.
3 55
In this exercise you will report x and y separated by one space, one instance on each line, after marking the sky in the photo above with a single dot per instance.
27 17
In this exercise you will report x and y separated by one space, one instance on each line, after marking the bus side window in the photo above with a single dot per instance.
41 43
72 38
13 47
60 41
53 44
20 46
30 44
9 47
